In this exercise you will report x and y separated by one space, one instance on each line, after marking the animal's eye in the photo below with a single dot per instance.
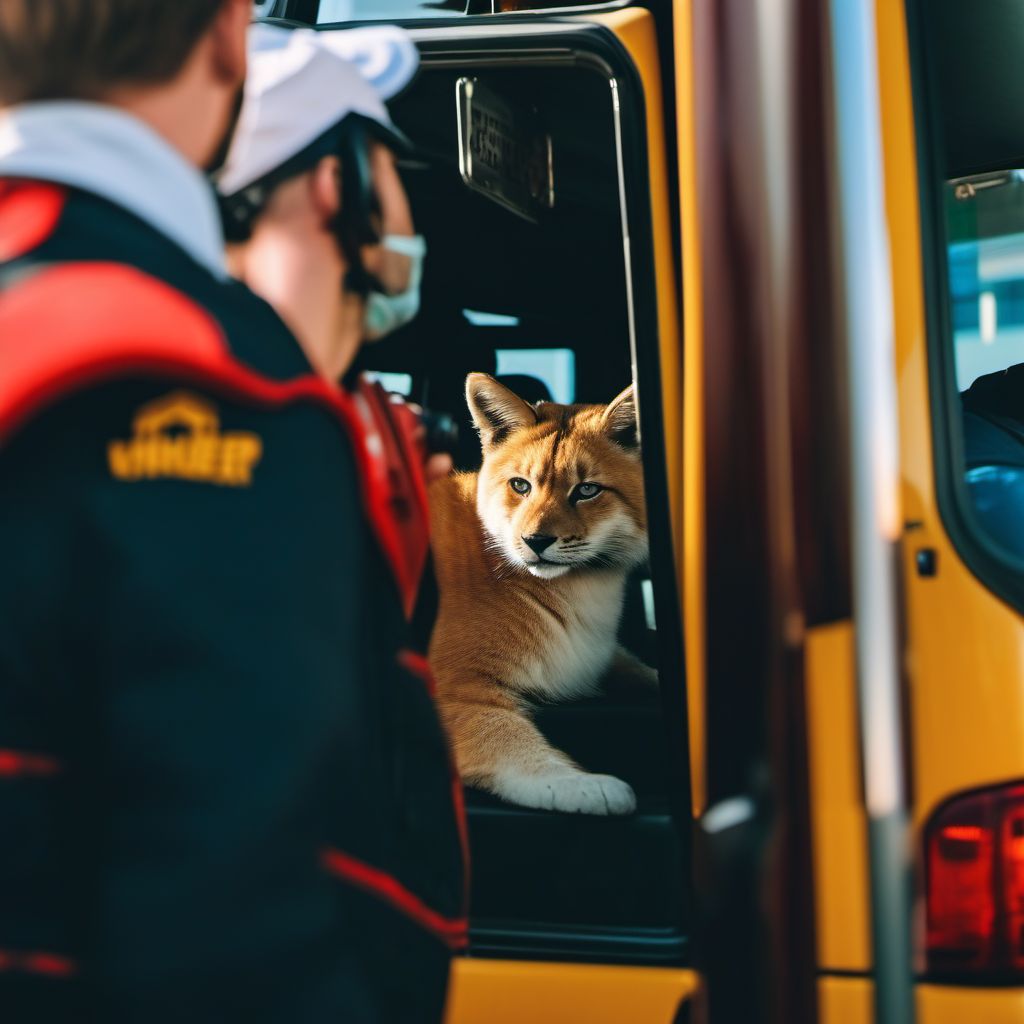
587 490
519 485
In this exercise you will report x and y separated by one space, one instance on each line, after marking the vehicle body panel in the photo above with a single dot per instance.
965 646
515 992
837 811
849 1001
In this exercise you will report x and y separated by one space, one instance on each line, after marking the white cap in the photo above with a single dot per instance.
302 82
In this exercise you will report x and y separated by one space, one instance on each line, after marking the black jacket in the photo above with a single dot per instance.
224 792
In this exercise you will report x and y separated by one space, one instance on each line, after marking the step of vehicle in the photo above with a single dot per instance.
579 885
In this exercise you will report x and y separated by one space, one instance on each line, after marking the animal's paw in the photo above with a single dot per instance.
570 793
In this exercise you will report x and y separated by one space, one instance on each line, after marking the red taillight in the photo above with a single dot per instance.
1013 879
974 856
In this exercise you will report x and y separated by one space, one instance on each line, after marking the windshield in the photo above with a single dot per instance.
333 11
387 10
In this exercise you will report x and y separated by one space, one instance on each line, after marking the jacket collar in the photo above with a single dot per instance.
105 151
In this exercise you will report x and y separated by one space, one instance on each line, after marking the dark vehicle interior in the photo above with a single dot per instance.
544 304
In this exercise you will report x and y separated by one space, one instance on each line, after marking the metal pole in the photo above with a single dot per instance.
865 289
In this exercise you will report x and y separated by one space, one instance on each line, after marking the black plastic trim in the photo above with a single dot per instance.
509 940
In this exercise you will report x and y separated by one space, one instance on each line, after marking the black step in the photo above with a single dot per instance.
578 886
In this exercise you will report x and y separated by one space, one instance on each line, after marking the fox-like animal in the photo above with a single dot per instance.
532 555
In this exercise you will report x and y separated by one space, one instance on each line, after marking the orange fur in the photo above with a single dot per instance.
516 626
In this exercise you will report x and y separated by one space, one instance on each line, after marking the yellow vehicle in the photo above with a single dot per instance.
799 228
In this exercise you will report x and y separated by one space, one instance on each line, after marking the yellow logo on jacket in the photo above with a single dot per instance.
179 437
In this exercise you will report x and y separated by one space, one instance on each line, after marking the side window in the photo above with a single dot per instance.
397 383
554 367
985 240
985 216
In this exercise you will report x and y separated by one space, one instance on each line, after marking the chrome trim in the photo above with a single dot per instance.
488 31
727 814
627 252
865 287
970 185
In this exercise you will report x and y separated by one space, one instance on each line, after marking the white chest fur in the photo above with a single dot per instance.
573 658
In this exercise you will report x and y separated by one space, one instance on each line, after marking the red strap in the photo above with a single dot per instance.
78 324
414 662
452 931
50 964
390 426
29 213
418 665
18 763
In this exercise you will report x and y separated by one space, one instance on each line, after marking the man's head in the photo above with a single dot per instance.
314 203
178 64
294 257
310 201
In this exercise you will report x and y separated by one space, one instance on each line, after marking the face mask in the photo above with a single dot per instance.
386 313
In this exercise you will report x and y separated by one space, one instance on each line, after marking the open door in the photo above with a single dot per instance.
542 189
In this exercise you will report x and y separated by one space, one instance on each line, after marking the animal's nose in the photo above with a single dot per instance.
539 542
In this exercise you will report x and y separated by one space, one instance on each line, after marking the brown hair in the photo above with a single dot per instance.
80 49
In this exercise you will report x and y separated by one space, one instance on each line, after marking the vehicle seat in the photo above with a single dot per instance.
529 388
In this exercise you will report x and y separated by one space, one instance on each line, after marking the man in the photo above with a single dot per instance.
222 797
337 274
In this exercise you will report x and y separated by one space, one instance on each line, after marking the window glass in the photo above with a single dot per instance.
387 10
986 273
480 318
985 225
556 367
399 383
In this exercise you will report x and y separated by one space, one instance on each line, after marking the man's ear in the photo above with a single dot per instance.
325 188
496 410
620 421
229 35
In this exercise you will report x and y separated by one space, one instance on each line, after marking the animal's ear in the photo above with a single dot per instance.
496 410
620 420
